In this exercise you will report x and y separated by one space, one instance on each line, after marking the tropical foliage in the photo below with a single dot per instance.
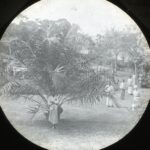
56 61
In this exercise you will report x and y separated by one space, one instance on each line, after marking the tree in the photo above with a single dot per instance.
135 50
52 66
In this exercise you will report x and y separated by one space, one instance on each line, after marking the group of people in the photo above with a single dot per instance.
130 86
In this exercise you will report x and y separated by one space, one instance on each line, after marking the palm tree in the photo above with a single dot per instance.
55 70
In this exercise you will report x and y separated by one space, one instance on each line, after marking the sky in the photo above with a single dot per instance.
93 16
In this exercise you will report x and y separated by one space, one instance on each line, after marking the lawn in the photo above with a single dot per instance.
83 127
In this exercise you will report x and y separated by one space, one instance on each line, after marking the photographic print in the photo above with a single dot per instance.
74 74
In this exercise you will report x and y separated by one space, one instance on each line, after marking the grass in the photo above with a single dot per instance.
83 127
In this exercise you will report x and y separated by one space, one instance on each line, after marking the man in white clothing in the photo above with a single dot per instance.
109 90
130 85
123 88
136 97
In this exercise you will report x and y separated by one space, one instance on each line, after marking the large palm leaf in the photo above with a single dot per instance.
7 88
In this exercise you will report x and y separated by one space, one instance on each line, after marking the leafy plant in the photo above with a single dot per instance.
49 62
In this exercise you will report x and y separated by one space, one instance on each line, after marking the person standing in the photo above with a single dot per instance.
130 85
140 80
134 80
136 96
110 91
53 117
117 84
123 88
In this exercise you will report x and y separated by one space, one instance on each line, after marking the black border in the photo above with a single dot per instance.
139 137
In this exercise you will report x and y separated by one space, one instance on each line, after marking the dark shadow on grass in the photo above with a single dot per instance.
87 127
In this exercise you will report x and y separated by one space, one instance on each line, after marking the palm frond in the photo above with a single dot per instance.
59 69
59 99
8 87
90 88
33 110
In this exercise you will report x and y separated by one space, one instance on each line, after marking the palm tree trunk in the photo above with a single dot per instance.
43 98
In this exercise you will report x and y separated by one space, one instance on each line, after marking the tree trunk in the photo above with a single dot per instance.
43 98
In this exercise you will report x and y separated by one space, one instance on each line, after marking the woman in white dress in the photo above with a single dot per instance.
136 97
130 85
134 80
109 90
123 89
53 117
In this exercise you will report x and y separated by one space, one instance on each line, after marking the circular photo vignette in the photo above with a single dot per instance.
75 75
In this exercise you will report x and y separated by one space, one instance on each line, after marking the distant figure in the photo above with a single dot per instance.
117 83
136 96
53 114
134 80
110 92
123 89
130 85
140 80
